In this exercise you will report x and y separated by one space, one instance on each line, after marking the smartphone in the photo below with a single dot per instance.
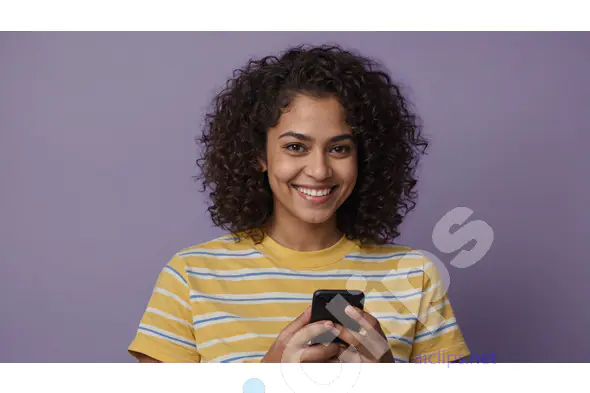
329 305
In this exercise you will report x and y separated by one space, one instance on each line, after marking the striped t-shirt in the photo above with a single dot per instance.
227 300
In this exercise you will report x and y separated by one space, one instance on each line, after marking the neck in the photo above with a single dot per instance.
301 236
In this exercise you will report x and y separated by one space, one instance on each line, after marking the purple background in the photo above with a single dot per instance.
97 152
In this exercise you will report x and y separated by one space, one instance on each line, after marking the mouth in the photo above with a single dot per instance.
314 195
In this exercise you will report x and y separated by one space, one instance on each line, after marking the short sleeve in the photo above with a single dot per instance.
437 338
166 331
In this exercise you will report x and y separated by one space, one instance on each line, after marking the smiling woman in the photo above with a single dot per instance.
309 159
311 163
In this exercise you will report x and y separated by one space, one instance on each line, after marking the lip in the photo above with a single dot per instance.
318 200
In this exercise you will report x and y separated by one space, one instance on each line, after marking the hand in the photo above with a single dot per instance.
367 346
291 344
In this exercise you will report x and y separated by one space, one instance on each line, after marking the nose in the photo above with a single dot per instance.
319 166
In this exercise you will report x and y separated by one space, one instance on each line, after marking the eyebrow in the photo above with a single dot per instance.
303 137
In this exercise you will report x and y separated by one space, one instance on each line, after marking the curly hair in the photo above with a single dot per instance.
386 131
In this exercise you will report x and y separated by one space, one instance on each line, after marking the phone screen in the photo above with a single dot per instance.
329 305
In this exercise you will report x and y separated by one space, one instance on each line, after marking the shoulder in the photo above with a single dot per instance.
394 258
226 247
390 252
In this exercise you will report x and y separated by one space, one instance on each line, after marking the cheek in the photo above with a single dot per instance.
283 171
348 172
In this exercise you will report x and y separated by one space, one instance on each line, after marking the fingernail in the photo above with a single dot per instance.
329 324
351 311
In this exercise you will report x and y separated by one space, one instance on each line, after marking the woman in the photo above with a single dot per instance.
310 160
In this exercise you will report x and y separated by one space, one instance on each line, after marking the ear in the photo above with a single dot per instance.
262 165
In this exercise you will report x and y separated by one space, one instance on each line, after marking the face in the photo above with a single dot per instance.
311 160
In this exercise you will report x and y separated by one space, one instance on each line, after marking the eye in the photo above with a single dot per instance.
341 149
296 147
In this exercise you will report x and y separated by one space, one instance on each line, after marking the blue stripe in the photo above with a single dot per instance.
369 297
399 360
436 331
178 274
335 275
377 257
402 339
166 336
216 319
241 357
219 255
399 318
250 300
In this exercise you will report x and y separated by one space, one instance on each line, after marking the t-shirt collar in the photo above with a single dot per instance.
295 259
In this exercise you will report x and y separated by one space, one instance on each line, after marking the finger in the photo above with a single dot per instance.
372 345
363 318
297 323
338 358
320 353
351 355
309 332
347 336
370 326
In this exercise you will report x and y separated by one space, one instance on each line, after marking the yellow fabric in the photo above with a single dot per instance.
227 300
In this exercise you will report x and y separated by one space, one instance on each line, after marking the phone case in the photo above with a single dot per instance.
329 305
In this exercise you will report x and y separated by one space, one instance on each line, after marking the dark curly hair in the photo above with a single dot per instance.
385 129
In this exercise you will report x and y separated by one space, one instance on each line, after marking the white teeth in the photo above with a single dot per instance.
311 192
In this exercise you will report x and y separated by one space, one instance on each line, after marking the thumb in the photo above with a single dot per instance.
298 322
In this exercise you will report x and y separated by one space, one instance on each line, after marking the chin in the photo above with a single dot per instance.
314 217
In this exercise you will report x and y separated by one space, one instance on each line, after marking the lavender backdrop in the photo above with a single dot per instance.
97 152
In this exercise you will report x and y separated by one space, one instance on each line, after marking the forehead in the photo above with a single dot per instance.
313 115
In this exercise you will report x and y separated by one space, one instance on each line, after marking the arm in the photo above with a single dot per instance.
165 331
437 337
143 358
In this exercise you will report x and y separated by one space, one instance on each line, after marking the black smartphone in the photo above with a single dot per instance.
329 305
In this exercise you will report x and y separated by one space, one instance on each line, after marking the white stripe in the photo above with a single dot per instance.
235 338
255 298
162 331
287 274
432 308
431 288
427 265
385 257
214 314
388 296
173 296
433 326
221 253
292 295
236 354
287 297
168 316
173 274
437 334
232 318
386 317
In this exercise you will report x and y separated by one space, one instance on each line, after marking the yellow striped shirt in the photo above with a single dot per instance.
227 300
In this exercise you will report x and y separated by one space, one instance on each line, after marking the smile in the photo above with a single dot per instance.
315 195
